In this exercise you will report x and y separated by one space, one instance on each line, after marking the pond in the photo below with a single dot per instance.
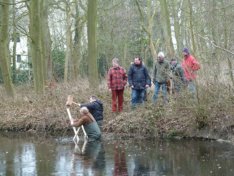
24 155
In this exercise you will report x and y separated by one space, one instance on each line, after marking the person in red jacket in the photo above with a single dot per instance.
116 80
190 66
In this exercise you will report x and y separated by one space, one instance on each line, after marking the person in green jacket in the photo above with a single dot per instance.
160 77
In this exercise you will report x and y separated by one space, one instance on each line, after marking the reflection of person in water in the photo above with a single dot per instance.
141 166
120 168
92 156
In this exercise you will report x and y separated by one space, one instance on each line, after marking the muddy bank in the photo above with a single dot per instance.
183 117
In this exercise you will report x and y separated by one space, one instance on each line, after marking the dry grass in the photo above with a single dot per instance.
211 116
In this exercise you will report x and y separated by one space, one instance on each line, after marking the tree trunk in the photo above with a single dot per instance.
167 27
76 52
177 29
46 41
191 25
92 43
229 62
215 53
67 69
4 55
36 46
149 27
14 37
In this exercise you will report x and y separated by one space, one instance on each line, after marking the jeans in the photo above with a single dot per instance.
156 91
191 87
138 96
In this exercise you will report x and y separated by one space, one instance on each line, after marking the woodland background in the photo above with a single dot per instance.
69 39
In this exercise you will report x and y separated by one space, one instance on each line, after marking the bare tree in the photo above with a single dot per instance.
92 43
165 18
4 54
35 30
149 20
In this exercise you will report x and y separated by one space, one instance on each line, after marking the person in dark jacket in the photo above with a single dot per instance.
177 76
139 80
95 107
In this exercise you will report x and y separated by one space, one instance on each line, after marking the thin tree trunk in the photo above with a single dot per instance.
46 41
215 56
92 43
177 26
68 55
76 52
191 25
4 55
14 36
125 51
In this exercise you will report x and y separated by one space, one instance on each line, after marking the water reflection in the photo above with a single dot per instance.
28 156
91 157
120 167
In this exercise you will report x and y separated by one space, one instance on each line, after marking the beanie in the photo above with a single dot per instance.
186 50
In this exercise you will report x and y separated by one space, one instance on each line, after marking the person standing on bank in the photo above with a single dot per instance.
177 76
139 80
160 77
116 80
190 66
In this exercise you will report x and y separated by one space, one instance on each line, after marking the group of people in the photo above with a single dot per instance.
138 80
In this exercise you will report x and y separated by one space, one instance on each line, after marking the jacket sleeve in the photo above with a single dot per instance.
148 79
154 73
125 77
88 105
195 65
109 79
130 72
167 71
181 74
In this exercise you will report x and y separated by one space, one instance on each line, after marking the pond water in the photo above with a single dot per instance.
26 155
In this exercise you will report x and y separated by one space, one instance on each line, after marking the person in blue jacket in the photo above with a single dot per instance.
139 80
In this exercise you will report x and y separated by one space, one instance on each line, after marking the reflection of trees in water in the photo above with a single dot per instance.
24 155
44 156
178 158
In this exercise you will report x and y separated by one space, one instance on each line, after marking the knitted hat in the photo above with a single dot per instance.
185 50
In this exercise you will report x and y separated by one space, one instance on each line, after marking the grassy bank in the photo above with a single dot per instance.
211 115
